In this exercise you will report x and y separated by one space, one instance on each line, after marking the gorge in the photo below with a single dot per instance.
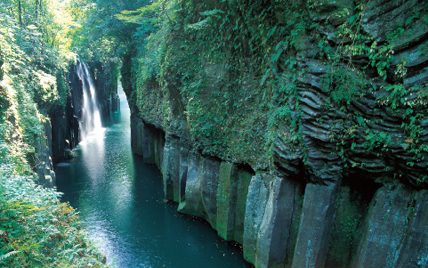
121 202
296 129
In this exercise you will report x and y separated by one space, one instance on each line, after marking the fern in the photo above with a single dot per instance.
7 255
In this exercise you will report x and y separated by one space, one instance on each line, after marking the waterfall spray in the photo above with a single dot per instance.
90 119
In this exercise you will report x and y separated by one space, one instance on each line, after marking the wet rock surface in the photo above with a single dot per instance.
284 222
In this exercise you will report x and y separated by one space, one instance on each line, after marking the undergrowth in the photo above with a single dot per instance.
37 230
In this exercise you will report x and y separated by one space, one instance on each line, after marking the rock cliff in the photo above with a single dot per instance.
289 221
345 182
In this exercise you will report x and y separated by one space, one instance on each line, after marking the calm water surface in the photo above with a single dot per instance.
120 200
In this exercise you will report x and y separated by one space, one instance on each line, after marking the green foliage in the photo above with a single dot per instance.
231 68
146 15
99 35
393 97
36 230
28 88
208 53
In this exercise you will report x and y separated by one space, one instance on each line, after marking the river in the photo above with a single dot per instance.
121 204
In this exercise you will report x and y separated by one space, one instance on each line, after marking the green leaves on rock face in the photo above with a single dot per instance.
215 12
200 25
237 70
360 121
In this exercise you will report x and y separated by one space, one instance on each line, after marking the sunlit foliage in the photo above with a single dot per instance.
36 230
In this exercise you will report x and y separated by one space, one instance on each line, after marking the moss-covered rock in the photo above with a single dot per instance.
308 95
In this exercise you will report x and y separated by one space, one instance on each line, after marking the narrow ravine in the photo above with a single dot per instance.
121 203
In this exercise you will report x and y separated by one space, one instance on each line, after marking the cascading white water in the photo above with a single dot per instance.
90 119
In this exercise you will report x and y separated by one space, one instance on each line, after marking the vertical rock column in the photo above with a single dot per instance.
137 127
385 229
415 250
209 185
171 169
147 141
242 185
273 240
270 215
192 203
201 188
226 201
148 144
257 198
183 169
159 146
345 234
319 207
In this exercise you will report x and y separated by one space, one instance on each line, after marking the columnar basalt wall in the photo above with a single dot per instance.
347 191
284 221
65 124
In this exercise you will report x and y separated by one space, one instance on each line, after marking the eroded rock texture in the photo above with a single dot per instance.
362 205
321 121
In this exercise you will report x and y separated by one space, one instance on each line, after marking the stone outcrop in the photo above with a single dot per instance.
284 221
315 206
385 229
65 120
380 18
318 211
414 249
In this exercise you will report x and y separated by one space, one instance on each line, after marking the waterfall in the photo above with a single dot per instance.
90 118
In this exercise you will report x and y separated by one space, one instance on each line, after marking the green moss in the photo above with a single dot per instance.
231 201
235 73
224 206
244 179
344 237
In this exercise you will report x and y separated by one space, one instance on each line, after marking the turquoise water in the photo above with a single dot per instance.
120 200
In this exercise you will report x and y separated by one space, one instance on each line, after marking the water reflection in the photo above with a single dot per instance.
92 149
120 200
